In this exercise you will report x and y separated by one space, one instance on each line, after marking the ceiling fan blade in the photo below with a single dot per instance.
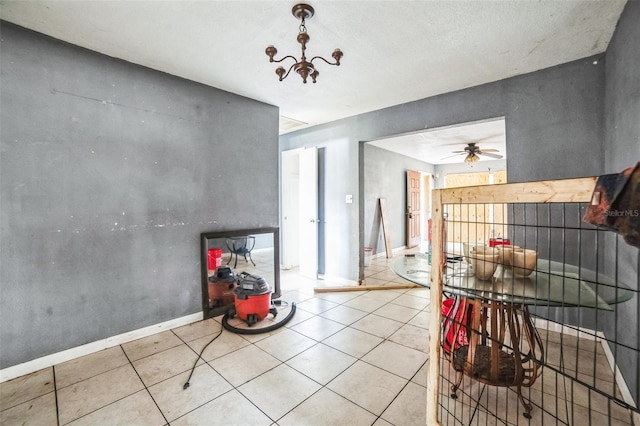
458 152
489 154
454 155
490 150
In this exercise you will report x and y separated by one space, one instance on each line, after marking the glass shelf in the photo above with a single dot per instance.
552 284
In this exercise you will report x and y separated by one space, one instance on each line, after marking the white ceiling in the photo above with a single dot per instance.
436 146
394 51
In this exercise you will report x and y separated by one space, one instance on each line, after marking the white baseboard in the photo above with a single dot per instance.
580 332
89 348
394 251
339 280
622 384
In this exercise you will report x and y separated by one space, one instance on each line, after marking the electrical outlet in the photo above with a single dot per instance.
349 198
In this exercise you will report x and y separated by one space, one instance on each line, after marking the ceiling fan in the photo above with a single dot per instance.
473 151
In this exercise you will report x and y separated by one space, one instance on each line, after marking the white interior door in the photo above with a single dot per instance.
308 241
290 208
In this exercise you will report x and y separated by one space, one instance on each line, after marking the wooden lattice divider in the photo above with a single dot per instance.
555 191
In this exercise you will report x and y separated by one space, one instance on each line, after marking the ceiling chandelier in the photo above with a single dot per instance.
303 67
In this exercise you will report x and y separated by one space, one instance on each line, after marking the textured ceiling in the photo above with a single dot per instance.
437 146
394 51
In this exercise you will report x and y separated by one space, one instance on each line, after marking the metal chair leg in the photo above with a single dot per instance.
527 405
456 386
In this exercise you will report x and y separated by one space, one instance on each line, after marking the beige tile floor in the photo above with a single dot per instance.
346 358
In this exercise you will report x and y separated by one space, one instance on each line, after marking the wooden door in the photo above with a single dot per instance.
414 206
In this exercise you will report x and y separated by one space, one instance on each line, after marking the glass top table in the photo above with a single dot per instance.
551 284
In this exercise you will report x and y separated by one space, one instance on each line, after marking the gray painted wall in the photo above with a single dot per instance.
385 176
109 173
552 115
572 120
622 150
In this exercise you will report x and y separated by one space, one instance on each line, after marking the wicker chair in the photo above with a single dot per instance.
504 348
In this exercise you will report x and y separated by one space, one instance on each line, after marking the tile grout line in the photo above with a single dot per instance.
184 342
316 343
399 392
55 392
110 403
362 331
233 387
384 339
145 385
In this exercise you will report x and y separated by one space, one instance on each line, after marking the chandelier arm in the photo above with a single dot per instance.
288 71
320 57
286 57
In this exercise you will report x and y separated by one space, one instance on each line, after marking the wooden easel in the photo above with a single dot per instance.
382 202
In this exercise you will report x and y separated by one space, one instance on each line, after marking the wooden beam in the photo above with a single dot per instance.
364 288
438 262
551 191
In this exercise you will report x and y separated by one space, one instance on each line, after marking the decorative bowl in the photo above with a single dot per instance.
467 247
484 265
524 262
505 253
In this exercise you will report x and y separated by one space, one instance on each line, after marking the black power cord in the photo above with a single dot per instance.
225 324
186 385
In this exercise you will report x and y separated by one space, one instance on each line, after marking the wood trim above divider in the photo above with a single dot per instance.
552 191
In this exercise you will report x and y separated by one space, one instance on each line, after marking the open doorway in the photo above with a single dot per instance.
485 221
435 152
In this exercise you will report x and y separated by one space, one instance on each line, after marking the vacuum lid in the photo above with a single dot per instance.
251 285
222 274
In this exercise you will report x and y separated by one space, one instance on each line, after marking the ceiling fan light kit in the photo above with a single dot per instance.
303 67
471 158
473 152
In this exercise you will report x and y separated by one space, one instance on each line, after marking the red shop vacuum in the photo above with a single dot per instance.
252 299
221 287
